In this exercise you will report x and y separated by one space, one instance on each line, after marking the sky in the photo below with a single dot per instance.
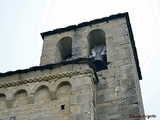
22 21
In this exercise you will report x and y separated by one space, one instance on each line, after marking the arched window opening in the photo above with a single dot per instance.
20 98
2 100
65 48
42 94
97 48
64 90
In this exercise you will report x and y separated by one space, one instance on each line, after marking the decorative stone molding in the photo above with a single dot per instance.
47 78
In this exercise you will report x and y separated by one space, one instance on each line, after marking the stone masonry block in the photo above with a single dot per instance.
84 98
15 76
106 95
86 107
122 47
76 51
46 72
76 67
111 72
105 74
75 109
9 102
134 109
30 74
87 81
66 68
112 53
75 89
120 76
6 79
22 76
83 43
56 70
121 22
75 99
127 93
128 84
118 63
122 51
87 116
38 73
76 117
110 79
118 57
118 43
47 58
128 61
115 117
1 79
48 43
118 30
101 86
107 109
130 72
113 84
84 66
75 84
31 98
132 99
120 88
20 102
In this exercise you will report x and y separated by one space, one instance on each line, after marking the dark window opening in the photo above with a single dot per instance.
97 48
98 55
68 56
65 48
13 118
62 107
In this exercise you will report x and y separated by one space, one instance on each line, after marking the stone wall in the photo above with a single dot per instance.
62 93
115 34
118 90
69 91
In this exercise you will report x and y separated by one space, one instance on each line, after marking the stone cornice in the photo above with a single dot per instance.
47 78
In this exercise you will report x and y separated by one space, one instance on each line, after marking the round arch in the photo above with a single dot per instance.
96 37
20 89
42 84
65 47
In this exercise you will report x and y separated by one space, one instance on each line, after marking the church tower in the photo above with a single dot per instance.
88 71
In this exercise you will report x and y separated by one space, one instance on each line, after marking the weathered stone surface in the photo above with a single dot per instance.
46 72
68 91
66 68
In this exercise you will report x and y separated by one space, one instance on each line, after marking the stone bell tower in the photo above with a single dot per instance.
88 71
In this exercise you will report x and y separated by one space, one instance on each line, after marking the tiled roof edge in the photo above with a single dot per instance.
83 24
49 66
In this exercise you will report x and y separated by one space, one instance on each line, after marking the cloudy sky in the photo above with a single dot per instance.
22 21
